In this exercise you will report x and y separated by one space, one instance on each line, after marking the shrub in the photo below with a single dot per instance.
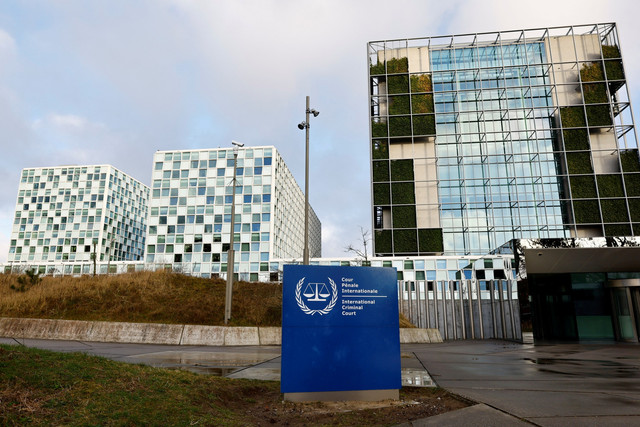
403 216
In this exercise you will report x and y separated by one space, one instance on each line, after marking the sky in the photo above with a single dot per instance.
111 82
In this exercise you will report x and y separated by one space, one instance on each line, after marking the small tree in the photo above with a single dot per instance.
362 255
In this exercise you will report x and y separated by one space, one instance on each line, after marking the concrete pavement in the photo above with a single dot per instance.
514 384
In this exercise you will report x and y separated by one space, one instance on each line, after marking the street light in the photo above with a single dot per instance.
230 263
305 125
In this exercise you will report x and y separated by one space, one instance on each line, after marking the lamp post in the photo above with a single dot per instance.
230 263
305 125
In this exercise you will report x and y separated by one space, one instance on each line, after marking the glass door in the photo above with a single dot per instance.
625 296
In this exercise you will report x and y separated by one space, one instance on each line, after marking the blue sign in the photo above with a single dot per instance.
340 329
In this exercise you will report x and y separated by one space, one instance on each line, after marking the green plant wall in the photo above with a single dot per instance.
403 216
579 163
381 194
610 185
400 126
583 187
380 171
614 210
403 193
380 149
424 125
576 139
599 115
430 240
405 241
402 170
634 209
383 242
399 104
398 84
630 161
617 230
378 129
586 211
632 184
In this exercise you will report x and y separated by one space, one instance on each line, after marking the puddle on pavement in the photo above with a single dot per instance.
203 362
586 368
416 378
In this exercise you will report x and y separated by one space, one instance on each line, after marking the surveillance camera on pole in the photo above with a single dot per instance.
305 126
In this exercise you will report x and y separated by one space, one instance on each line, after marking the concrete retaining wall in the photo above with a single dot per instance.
155 333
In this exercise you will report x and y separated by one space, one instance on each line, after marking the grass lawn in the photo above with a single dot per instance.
39 387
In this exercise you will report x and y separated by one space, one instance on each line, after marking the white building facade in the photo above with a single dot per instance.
65 214
190 212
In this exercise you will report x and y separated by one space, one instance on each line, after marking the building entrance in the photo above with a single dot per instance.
625 297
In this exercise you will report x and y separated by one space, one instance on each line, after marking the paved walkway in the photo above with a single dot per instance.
514 384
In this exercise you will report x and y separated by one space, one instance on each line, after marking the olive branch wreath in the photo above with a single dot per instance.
325 310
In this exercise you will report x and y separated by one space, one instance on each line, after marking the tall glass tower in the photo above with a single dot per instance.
477 139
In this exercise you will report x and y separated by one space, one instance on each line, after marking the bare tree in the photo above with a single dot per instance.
362 255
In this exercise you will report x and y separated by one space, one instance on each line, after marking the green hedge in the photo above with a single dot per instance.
572 117
380 149
595 93
383 242
398 84
579 163
403 216
632 183
611 230
378 129
380 171
381 194
614 210
424 125
399 104
634 208
586 211
610 185
402 170
403 193
405 241
576 139
430 240
583 187
630 161
400 126
598 115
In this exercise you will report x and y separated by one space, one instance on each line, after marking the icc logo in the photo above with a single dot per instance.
316 293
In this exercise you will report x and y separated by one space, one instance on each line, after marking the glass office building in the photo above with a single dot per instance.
190 212
478 139
65 214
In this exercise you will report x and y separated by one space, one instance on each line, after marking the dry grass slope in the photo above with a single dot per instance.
154 297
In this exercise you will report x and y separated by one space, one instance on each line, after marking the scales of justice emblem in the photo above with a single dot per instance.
316 292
